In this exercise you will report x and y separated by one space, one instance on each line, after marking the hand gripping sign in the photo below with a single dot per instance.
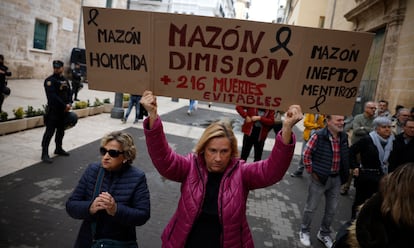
224 60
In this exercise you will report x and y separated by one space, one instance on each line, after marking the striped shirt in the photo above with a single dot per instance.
311 146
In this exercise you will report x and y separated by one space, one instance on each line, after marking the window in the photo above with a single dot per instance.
40 35
321 21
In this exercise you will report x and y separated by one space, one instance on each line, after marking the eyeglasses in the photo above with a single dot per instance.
111 152
385 126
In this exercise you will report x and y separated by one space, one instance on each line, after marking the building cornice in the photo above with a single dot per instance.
392 12
362 7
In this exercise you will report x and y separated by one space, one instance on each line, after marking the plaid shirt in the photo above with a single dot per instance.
311 146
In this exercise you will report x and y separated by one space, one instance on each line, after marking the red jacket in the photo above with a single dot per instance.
267 120
238 179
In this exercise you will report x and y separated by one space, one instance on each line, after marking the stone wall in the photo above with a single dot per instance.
401 85
396 76
17 32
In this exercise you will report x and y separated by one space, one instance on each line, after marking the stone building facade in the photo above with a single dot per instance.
64 24
389 73
392 52
306 13
214 8
60 18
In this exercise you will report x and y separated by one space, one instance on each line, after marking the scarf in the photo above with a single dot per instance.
383 151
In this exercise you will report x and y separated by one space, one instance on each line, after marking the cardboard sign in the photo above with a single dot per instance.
231 61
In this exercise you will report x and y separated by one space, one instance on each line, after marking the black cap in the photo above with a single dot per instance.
57 64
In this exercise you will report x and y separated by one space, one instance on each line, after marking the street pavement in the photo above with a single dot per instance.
33 194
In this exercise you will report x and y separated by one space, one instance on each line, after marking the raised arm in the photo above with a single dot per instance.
149 102
293 116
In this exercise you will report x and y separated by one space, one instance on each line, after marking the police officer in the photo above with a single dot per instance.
4 90
59 101
76 81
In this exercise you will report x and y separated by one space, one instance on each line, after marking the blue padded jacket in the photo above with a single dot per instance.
129 188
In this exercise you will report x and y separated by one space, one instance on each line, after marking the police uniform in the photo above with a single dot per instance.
58 93
76 82
4 90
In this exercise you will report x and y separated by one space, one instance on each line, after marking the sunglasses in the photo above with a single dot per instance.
111 152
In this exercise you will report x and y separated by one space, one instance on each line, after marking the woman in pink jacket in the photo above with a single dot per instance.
215 183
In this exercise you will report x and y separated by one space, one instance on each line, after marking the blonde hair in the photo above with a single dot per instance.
217 129
397 189
126 141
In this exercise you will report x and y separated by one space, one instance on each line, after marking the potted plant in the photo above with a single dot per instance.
97 107
34 117
125 100
81 109
16 124
107 105
3 116
18 113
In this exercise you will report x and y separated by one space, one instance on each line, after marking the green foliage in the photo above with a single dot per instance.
80 105
106 100
3 116
18 113
97 102
31 112
126 97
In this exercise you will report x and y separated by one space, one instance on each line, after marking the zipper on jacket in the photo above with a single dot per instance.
220 213
204 187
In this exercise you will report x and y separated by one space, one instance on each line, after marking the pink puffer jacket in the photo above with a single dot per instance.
238 179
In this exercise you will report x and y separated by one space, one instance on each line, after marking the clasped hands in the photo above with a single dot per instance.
103 202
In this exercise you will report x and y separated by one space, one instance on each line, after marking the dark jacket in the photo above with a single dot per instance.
3 75
365 153
323 150
401 152
76 75
374 230
129 188
58 93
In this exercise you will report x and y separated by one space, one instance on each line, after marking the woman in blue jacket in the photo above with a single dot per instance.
123 201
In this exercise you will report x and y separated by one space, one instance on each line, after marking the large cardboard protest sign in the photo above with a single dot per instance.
224 60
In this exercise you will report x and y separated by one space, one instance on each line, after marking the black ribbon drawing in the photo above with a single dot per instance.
93 13
283 44
318 102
